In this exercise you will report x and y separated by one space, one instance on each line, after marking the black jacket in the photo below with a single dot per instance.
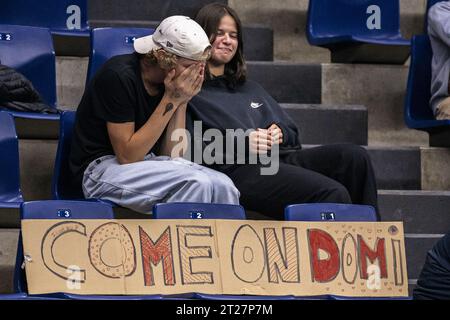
17 93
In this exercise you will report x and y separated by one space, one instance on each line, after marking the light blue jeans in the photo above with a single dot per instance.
140 185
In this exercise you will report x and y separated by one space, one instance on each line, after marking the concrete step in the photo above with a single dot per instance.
370 53
288 82
325 124
318 124
70 81
258 42
422 212
134 13
37 159
380 88
139 13
435 168
8 249
288 20
396 168
258 39
417 246
381 91
155 10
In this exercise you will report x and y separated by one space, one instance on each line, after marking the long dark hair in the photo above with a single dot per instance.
209 18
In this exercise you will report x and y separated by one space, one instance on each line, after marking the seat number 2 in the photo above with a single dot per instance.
196 215
5 36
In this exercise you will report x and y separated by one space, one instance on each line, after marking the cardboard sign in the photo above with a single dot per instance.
215 256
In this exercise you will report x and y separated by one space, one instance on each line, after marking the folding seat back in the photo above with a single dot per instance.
110 42
62 188
9 161
62 16
186 210
329 212
192 210
335 212
418 113
30 51
346 20
55 209
13 296
23 296
66 209
61 209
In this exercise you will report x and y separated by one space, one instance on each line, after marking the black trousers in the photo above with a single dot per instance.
340 173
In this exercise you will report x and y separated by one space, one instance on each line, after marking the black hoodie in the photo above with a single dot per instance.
247 106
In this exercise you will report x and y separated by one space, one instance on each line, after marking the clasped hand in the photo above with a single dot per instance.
262 140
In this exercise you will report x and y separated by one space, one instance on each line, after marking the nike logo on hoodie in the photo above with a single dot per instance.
255 105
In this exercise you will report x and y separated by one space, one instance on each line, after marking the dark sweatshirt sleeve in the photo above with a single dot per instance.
280 117
290 135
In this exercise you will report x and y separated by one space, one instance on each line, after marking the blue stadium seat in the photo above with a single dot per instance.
10 193
189 210
417 111
342 24
335 212
65 209
110 42
61 17
242 297
62 188
23 296
61 209
55 209
58 209
192 210
329 212
29 50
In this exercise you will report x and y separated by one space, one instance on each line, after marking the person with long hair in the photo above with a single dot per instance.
340 173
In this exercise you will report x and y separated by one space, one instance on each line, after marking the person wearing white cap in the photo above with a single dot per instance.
122 149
